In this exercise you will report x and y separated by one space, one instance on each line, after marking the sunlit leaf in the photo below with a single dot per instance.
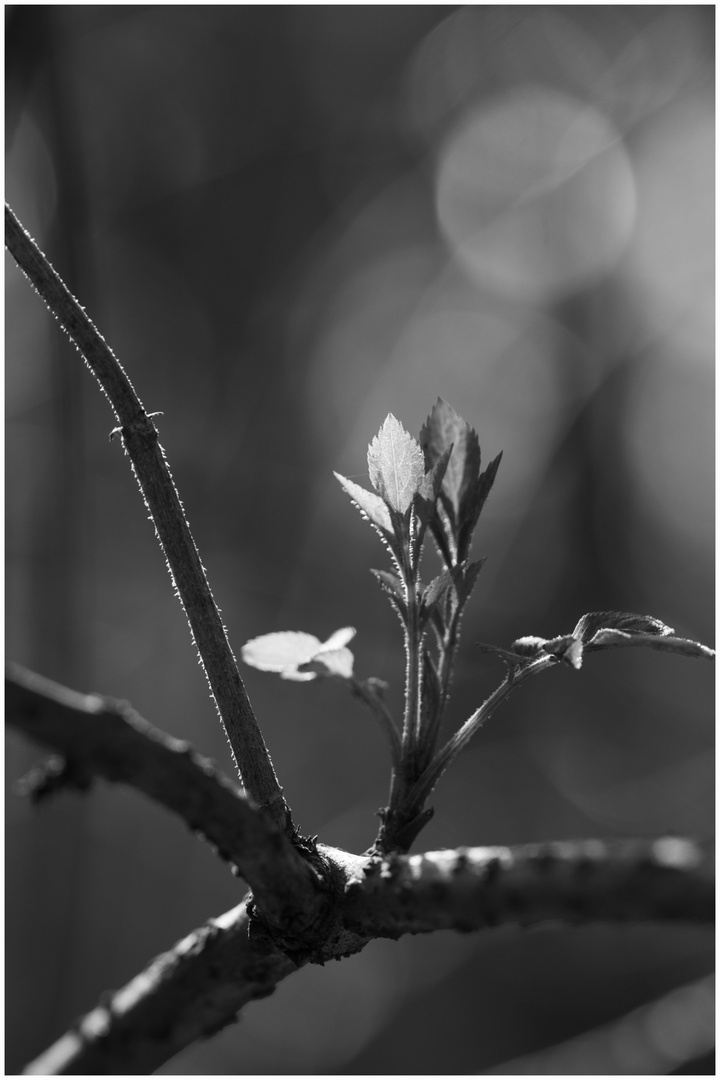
338 639
280 650
299 656
396 464
370 504
337 663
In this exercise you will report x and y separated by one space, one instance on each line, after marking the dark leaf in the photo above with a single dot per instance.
466 583
437 589
512 659
427 498
567 648
589 624
432 482
473 503
445 429
396 465
529 646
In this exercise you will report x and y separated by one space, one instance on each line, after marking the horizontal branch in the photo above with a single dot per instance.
140 439
667 880
652 1040
188 993
101 737
197 987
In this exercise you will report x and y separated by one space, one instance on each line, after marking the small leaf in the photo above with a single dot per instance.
567 648
368 503
589 624
275 652
437 589
337 663
468 581
529 646
395 590
338 639
445 429
396 464
299 656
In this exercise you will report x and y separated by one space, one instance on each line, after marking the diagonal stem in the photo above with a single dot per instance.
140 440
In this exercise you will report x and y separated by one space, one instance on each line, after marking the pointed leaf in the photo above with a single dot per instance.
396 464
472 504
444 429
426 503
589 624
607 639
395 590
281 650
468 581
511 659
369 504
436 589
431 484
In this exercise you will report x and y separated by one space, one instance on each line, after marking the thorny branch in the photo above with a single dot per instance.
311 903
140 440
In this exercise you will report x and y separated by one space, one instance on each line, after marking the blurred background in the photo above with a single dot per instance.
288 222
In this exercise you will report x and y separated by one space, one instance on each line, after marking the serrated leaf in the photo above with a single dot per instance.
437 588
337 663
468 581
395 590
368 503
607 639
431 484
593 621
280 650
396 464
426 503
445 429
473 502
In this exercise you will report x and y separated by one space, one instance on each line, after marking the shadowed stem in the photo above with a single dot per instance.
140 440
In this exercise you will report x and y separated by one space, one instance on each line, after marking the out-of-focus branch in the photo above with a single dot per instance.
652 1040
185 994
666 880
101 737
140 440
